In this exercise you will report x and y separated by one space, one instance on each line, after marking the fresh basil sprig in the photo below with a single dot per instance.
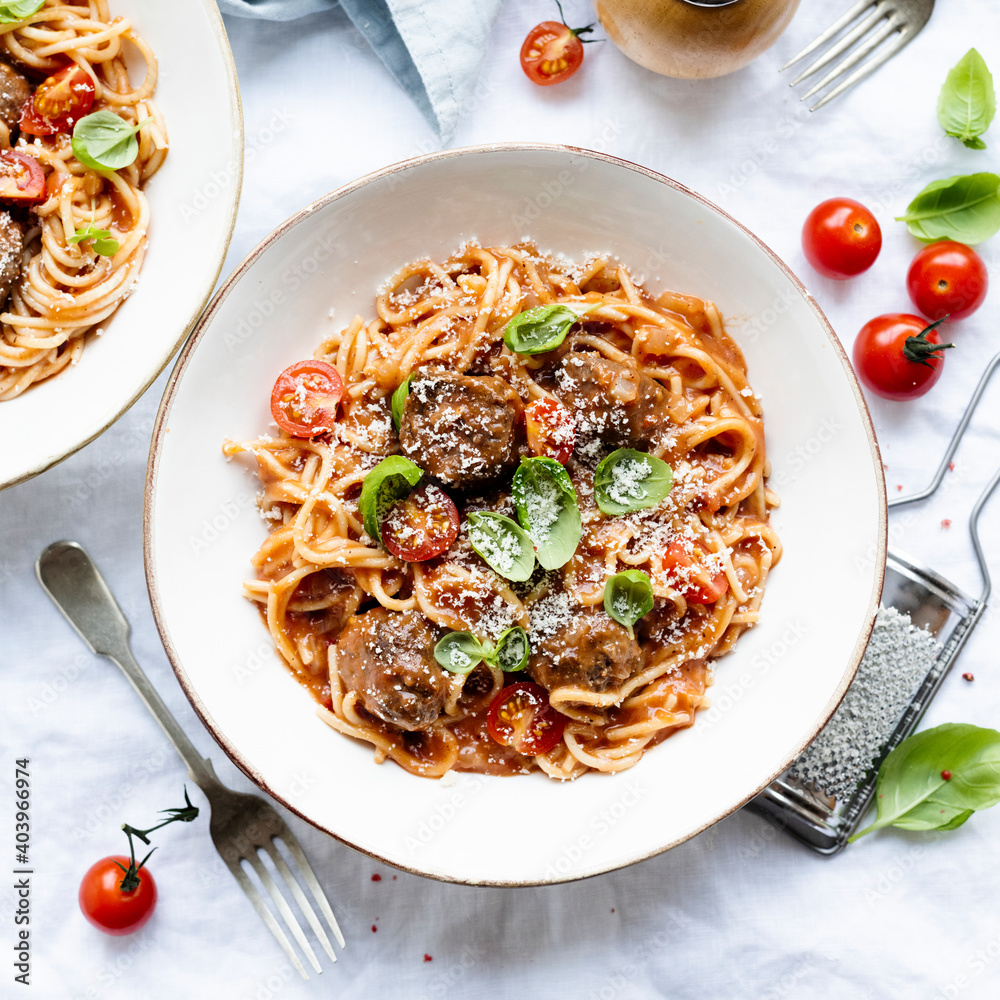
105 141
503 543
399 400
17 10
547 509
391 480
629 480
101 240
967 102
460 652
935 780
628 596
965 208
541 329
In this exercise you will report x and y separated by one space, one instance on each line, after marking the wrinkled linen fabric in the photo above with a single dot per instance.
740 912
434 48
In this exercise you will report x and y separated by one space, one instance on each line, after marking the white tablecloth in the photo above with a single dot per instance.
739 911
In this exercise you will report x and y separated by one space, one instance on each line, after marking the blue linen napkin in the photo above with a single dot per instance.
434 48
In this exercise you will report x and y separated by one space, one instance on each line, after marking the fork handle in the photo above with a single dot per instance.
70 578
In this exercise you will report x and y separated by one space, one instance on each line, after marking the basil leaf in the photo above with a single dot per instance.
391 480
964 208
399 399
547 508
912 792
967 102
101 241
628 596
512 650
459 652
503 543
18 10
105 141
629 480
538 330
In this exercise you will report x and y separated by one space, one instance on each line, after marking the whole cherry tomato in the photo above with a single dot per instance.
947 279
521 717
841 238
898 355
109 907
553 51
305 397
422 525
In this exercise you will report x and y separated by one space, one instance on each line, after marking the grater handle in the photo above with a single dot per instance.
949 454
974 532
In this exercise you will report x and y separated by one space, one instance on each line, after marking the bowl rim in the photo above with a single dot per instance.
237 124
163 414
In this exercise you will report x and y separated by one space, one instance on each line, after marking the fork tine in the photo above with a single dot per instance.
298 856
842 46
856 11
902 38
303 903
869 45
251 892
283 908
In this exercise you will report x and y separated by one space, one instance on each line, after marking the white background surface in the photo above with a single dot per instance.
739 911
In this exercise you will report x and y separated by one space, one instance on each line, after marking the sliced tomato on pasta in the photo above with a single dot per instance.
521 717
59 102
689 574
551 429
22 180
305 398
422 525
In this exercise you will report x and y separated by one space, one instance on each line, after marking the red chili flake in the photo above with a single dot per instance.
968 677
376 877
612 909
946 775
374 928
394 878
428 958
899 487
946 523
951 466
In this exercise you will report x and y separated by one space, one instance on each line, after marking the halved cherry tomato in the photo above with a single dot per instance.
898 355
107 906
422 525
551 429
552 52
947 279
59 102
521 717
841 238
305 397
22 179
695 582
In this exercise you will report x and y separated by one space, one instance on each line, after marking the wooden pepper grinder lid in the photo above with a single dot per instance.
694 38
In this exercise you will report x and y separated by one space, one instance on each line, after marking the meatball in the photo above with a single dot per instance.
14 92
388 658
591 650
11 248
461 429
613 402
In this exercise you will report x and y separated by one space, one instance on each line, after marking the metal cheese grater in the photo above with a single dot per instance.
922 625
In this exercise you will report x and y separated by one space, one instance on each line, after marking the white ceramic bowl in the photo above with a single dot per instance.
772 694
192 200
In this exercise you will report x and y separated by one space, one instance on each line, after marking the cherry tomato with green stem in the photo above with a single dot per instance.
108 906
553 51
841 238
898 355
947 279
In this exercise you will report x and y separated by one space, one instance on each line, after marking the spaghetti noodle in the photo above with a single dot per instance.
63 289
706 547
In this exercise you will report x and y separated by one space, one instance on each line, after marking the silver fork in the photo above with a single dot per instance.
885 27
241 825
